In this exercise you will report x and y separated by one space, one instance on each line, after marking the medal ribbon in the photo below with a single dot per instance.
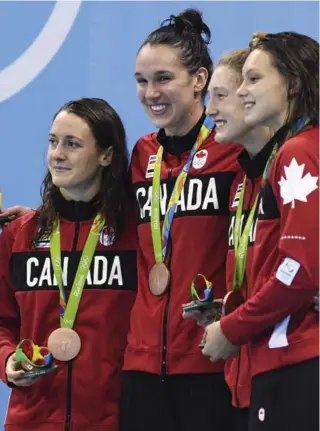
241 242
160 242
68 309
208 294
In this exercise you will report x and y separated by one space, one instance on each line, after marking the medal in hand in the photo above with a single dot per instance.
34 360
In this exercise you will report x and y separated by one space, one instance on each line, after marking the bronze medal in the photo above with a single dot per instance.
159 278
64 344
231 302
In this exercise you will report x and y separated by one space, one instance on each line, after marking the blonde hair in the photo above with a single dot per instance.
235 60
256 38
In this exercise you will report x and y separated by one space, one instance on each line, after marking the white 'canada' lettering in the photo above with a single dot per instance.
102 272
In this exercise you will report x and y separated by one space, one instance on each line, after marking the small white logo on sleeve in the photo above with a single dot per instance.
261 414
287 271
199 159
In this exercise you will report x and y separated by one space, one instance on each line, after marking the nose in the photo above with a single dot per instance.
242 91
59 151
152 91
211 109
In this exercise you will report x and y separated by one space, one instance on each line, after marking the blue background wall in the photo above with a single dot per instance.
97 59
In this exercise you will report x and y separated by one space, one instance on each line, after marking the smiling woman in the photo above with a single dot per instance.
280 90
172 71
181 177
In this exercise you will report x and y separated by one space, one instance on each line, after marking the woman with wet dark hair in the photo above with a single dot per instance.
181 177
68 278
281 90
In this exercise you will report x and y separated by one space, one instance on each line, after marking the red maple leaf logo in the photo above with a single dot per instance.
201 154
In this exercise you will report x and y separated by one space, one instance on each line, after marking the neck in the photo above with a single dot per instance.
188 122
256 139
84 194
277 122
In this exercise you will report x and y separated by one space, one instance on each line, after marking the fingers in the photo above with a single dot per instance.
26 382
194 314
203 318
16 375
16 211
204 348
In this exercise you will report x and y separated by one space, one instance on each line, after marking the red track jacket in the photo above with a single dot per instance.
160 341
238 369
84 394
279 319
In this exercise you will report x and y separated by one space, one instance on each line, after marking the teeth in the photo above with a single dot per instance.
220 123
248 105
158 108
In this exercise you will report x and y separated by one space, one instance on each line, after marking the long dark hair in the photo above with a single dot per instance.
115 189
296 57
184 32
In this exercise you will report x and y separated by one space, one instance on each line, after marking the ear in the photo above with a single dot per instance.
201 78
106 157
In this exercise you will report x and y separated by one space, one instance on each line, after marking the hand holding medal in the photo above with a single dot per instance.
204 309
34 360
28 363
214 343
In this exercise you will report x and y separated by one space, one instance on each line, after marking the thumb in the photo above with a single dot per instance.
16 211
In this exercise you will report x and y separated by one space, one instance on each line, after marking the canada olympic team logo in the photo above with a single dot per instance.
38 55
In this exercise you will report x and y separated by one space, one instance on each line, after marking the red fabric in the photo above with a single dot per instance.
293 233
237 370
29 308
198 243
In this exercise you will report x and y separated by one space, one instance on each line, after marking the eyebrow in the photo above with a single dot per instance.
52 135
219 88
158 73
252 69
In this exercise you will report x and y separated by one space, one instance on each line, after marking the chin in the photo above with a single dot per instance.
160 123
253 119
222 137
59 182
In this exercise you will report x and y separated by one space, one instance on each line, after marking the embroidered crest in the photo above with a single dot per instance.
199 159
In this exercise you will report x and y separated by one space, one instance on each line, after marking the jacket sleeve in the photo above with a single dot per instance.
295 277
9 309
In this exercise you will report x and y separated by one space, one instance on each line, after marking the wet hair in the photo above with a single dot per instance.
296 57
235 60
115 189
190 35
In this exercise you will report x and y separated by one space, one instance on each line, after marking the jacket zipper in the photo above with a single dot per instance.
246 288
69 376
165 316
